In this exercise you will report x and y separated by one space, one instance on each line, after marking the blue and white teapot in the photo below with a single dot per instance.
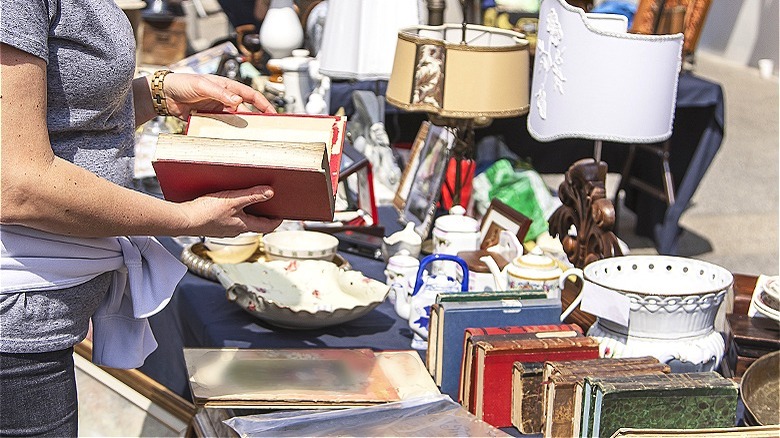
426 288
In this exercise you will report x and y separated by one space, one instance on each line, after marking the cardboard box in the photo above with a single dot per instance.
163 42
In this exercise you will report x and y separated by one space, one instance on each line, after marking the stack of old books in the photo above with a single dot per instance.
595 398
453 313
489 355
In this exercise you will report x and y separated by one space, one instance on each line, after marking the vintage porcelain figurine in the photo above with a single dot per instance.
532 271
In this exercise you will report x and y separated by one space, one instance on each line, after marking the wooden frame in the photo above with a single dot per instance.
405 185
499 217
429 166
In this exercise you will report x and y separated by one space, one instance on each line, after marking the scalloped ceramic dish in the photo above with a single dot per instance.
300 294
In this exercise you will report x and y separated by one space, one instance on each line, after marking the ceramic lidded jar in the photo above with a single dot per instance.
452 234
400 273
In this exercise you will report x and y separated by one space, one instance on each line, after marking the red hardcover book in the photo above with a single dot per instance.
480 332
493 362
299 156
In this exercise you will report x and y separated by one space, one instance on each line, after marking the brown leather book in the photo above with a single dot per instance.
527 397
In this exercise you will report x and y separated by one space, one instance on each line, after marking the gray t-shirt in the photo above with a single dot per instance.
89 51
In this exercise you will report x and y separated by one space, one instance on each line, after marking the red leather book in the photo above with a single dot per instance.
472 334
299 156
493 363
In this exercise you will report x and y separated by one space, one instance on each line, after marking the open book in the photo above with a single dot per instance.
299 156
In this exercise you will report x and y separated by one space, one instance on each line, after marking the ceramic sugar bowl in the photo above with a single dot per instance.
532 271
452 234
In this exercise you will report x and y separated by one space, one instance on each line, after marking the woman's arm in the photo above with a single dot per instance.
42 191
187 92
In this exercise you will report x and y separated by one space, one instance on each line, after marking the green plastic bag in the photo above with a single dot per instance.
518 189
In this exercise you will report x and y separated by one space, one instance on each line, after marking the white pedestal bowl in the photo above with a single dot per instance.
674 301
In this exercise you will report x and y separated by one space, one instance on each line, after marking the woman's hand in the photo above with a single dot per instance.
211 93
222 214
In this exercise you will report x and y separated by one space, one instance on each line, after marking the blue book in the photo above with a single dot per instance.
449 320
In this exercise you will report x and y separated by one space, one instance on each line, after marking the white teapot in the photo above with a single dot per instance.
532 272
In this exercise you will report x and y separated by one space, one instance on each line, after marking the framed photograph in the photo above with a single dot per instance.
357 181
425 188
405 184
500 217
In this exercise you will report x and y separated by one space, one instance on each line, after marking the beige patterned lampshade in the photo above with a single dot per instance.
437 70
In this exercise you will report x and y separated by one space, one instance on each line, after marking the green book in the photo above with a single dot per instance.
663 401
449 297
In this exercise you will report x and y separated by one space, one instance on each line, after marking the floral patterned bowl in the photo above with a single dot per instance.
300 294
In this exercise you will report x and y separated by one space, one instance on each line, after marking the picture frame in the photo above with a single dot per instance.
357 180
405 183
499 217
425 188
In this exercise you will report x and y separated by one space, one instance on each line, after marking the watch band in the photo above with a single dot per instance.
158 93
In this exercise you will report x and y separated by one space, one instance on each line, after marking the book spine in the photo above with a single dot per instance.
548 344
434 337
559 412
493 394
526 393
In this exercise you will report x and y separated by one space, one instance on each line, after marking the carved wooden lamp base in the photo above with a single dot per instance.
586 207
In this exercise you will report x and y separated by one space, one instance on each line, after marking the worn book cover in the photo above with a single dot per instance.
475 334
449 320
493 363
561 411
678 400
290 378
527 397
299 156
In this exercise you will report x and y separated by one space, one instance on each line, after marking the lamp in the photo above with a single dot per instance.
359 37
592 80
462 75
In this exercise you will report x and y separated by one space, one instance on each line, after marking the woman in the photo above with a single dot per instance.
69 109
